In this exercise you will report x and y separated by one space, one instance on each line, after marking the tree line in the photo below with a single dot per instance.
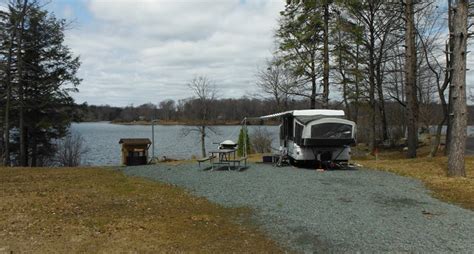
233 110
224 110
37 76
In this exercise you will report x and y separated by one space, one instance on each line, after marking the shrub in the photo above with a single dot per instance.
262 140
70 150
243 141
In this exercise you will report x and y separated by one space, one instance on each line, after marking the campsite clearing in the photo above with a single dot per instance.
433 173
332 211
100 210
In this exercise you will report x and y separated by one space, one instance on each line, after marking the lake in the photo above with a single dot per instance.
101 139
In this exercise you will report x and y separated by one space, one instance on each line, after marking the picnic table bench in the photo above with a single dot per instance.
202 160
226 157
238 161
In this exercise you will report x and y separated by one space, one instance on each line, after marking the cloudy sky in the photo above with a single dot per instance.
138 51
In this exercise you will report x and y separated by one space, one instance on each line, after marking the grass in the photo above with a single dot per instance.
431 171
100 210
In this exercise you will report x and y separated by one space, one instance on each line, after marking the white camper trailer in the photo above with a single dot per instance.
323 136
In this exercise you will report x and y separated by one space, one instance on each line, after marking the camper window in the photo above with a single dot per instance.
286 129
298 133
331 131
290 128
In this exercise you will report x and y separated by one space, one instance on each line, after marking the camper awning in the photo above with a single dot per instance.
305 113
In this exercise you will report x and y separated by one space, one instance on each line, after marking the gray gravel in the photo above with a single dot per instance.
332 211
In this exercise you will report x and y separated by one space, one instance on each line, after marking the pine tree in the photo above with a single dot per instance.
43 74
299 39
243 142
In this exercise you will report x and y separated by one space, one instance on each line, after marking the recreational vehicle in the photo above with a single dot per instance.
321 136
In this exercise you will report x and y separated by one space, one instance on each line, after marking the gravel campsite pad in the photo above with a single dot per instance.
344 210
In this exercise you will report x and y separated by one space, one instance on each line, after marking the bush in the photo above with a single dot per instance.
262 140
70 151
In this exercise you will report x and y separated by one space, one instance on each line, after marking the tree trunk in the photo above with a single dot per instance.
410 80
6 156
34 152
372 141
346 101
381 104
379 80
203 141
326 57
356 84
439 129
21 95
313 93
344 85
444 105
457 142
312 99
449 66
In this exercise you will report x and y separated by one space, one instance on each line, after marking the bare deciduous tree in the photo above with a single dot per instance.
205 92
376 20
276 81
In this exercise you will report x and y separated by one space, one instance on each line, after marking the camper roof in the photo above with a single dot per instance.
307 113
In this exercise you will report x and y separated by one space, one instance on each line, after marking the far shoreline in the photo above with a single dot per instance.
193 123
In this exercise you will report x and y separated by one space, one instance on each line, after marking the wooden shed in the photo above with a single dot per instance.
135 151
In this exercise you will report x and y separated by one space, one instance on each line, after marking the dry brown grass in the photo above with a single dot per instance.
98 210
431 171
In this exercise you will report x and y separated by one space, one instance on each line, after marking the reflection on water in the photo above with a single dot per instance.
103 149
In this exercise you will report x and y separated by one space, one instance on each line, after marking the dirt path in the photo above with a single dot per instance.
98 210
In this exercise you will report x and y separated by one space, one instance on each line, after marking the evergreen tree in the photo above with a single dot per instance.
303 35
43 75
243 142
299 39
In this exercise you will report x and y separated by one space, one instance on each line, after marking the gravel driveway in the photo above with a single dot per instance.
332 211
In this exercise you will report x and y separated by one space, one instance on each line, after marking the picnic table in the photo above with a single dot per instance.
226 157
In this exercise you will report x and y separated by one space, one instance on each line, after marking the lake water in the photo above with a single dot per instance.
102 139
470 130
103 149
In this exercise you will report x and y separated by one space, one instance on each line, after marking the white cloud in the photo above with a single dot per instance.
138 51
147 50
68 12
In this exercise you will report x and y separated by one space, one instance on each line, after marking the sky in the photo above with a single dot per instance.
139 51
